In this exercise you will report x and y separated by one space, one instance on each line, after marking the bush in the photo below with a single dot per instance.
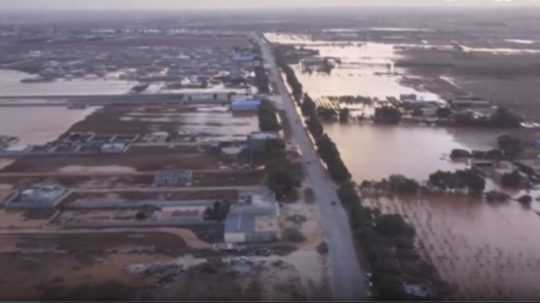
513 179
387 115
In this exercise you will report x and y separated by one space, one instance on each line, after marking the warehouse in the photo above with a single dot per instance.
254 219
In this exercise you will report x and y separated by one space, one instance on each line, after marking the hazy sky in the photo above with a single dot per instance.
197 4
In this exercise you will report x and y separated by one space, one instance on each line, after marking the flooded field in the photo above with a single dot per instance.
373 152
365 69
10 85
207 122
483 250
39 125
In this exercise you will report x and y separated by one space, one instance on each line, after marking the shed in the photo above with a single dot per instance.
37 196
113 147
245 105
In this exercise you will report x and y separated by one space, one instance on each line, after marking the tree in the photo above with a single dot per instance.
401 184
503 118
510 146
394 226
444 112
218 211
268 121
315 127
344 115
390 287
283 177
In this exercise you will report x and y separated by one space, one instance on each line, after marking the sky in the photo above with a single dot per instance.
247 4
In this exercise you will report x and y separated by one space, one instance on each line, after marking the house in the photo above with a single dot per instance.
245 105
37 196
173 178
253 219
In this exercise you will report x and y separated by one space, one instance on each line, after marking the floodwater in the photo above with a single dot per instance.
482 250
10 85
366 69
208 123
39 125
373 152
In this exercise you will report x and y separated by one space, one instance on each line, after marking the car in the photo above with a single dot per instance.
334 203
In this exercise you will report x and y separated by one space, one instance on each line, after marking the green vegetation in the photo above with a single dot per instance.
293 235
387 239
510 146
268 121
513 179
218 211
501 118
261 80
460 179
387 115
283 177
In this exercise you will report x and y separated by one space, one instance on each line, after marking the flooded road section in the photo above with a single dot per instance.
483 250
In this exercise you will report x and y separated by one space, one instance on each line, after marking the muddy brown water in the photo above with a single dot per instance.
483 250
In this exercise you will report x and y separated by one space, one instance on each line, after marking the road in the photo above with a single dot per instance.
347 277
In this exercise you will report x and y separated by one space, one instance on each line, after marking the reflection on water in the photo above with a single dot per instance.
10 85
39 125
373 152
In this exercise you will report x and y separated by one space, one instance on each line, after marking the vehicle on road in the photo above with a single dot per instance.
334 203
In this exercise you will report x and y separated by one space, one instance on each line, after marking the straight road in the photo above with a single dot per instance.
347 277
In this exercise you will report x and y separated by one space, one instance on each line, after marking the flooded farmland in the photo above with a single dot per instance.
11 85
373 152
39 125
482 250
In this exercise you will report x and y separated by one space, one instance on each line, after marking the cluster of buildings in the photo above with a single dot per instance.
181 60
87 142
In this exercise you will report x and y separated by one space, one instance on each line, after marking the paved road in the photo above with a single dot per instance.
347 277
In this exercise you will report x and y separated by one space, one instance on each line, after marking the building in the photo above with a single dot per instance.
113 147
467 102
257 140
173 178
157 137
245 105
417 291
37 196
231 153
253 219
